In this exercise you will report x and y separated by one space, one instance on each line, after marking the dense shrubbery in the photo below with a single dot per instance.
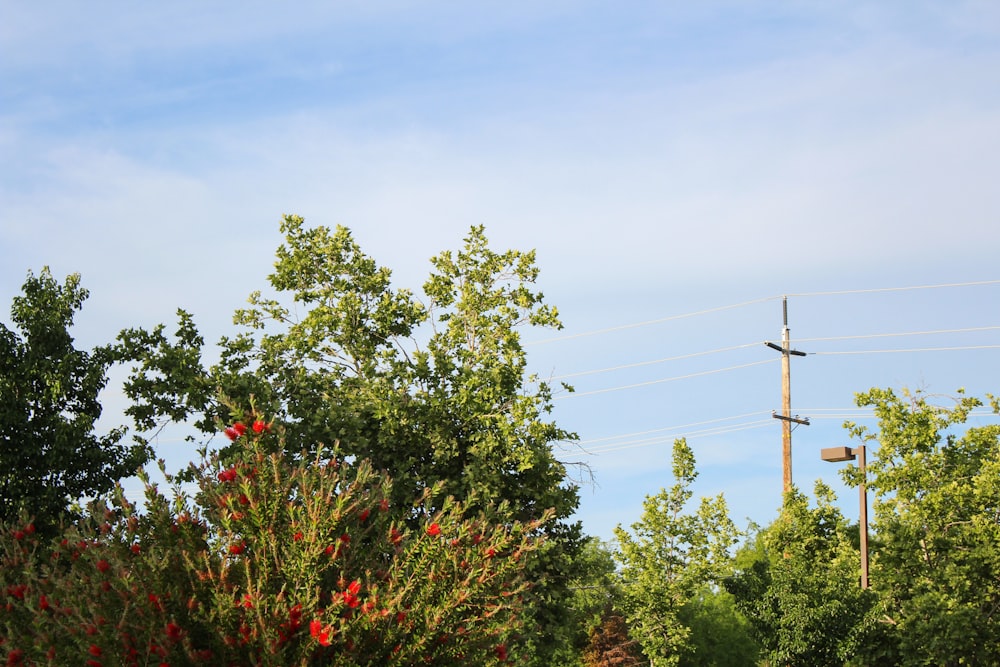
274 560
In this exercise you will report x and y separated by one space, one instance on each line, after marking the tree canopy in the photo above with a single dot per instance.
50 454
433 391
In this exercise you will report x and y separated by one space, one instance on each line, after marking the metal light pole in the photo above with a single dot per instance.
836 454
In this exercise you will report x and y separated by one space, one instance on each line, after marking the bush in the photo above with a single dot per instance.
275 560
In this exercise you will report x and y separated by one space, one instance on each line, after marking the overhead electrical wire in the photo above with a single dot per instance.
672 428
896 289
912 349
721 430
754 302
649 322
732 348
661 381
656 361
904 333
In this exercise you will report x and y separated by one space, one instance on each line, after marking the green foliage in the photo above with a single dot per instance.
798 585
937 518
333 356
720 635
49 453
669 558
594 589
275 560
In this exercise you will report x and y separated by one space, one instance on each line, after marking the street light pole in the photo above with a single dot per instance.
836 454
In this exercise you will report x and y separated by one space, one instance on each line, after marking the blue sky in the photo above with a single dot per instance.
663 159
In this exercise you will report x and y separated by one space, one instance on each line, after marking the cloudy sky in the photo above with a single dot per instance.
665 159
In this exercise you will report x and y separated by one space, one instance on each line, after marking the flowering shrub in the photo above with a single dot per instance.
275 560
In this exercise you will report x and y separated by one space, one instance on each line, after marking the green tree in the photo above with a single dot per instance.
668 558
50 455
720 635
334 356
798 585
595 589
937 518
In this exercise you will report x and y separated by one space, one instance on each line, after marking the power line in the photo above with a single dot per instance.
905 333
670 379
648 322
732 348
672 428
756 301
657 361
897 289
912 349
704 433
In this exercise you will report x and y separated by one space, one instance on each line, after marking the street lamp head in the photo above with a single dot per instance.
836 454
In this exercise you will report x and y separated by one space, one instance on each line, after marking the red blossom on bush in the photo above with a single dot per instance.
319 632
173 631
236 549
501 651
103 566
228 475
433 530
260 426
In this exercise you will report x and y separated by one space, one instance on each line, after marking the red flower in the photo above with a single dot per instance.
173 631
231 433
345 538
235 549
395 536
259 426
248 601
297 536
15 657
320 633
103 565
239 427
383 505
491 552
501 651
43 603
135 549
18 534
364 515
94 650
433 530
229 475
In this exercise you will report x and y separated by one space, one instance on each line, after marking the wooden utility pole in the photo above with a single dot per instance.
786 398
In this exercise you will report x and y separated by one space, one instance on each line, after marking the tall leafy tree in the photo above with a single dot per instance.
434 391
798 586
668 558
937 517
50 454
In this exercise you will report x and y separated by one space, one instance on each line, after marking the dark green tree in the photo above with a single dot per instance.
435 392
798 586
720 635
936 564
50 455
